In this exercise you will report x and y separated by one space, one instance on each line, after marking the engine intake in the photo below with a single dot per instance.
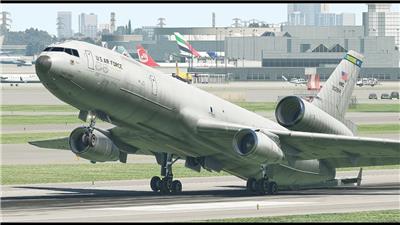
298 114
93 146
256 146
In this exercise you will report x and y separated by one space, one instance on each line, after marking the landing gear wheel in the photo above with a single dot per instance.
262 186
251 185
165 186
155 183
92 139
272 188
176 186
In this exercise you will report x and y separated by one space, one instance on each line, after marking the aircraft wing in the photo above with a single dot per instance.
59 143
305 145
338 150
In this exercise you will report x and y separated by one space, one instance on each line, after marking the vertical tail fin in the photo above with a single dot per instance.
335 95
184 47
144 57
283 77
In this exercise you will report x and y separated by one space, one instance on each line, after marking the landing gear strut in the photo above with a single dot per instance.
89 139
262 186
166 184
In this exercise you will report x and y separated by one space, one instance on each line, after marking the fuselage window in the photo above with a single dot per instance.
47 49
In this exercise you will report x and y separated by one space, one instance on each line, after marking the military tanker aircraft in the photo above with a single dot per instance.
158 115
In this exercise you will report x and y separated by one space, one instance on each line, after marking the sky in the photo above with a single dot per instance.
43 16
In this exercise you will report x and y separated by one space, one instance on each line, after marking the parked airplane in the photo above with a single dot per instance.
19 78
295 81
14 60
161 116
149 61
144 57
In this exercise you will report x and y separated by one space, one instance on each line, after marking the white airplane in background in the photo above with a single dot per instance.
19 78
295 81
14 60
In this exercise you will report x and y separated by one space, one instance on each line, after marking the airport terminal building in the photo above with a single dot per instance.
267 53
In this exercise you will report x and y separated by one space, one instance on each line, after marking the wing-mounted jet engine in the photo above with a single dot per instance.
257 147
93 145
298 114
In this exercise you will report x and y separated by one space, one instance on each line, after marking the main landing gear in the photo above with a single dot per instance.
262 186
89 139
166 184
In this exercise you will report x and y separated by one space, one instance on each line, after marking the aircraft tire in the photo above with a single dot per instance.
165 185
176 186
251 185
262 186
272 188
155 183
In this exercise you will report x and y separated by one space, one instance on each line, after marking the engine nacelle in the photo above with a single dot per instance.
93 146
257 147
297 114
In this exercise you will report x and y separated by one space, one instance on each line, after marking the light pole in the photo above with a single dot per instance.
216 47
243 47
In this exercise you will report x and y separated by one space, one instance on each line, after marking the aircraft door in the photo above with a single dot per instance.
90 60
153 85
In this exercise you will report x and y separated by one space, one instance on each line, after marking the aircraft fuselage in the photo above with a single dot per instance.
158 113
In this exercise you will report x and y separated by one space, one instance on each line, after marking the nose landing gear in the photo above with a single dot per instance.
166 184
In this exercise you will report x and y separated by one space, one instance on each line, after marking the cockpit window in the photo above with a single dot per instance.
69 51
75 53
57 49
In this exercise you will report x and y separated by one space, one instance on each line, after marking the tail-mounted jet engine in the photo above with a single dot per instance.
297 114
256 146
93 145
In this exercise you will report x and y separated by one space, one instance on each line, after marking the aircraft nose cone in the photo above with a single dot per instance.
43 64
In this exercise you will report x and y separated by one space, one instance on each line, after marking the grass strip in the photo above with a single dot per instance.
368 216
23 138
375 108
39 119
388 167
54 173
38 108
378 128
257 106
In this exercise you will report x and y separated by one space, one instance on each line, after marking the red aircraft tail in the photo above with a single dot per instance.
144 57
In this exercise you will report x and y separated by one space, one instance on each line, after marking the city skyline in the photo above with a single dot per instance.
177 15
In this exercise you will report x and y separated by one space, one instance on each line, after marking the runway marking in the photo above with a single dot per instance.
203 206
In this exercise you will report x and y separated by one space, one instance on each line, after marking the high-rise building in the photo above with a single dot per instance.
112 23
64 24
308 11
346 19
381 21
88 25
307 14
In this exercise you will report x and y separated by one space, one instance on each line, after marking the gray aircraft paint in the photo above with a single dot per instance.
154 112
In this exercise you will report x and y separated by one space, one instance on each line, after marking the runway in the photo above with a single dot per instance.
202 199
